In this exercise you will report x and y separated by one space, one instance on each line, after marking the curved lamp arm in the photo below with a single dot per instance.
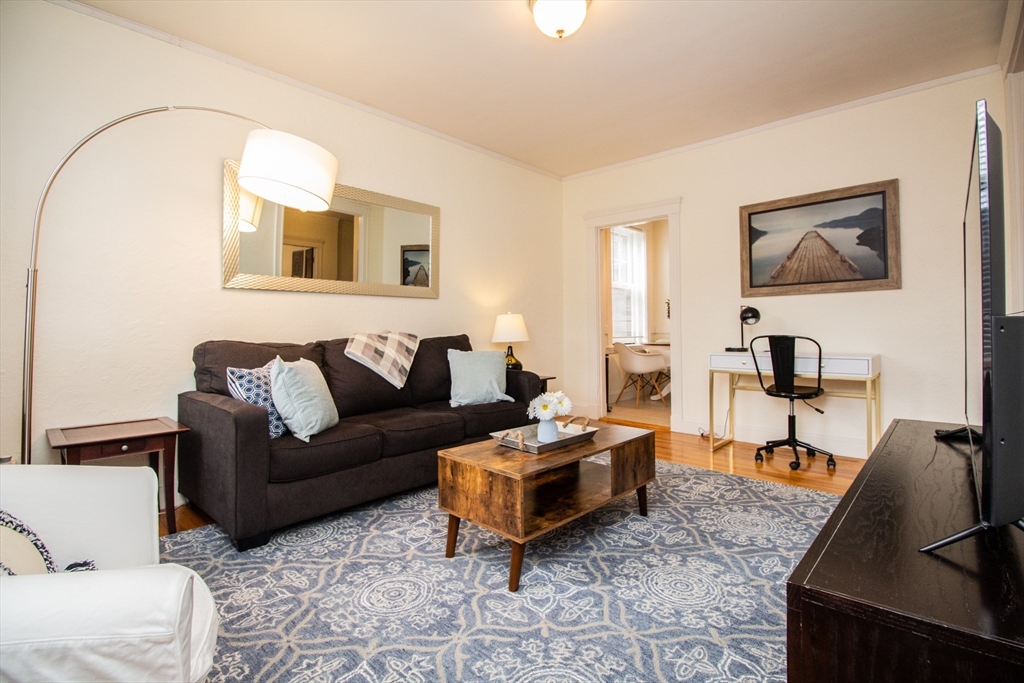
30 298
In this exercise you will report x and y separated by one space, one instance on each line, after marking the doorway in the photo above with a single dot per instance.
635 317
633 270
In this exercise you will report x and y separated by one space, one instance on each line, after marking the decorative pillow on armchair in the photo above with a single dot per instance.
23 552
253 386
477 377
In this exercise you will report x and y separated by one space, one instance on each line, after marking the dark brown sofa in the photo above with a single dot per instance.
386 442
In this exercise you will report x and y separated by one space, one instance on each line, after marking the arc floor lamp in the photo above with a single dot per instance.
276 166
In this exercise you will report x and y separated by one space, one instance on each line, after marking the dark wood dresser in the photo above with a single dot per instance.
865 605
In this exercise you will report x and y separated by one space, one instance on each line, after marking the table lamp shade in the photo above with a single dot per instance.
510 327
250 210
288 170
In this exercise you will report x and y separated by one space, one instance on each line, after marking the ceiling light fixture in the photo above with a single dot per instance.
559 18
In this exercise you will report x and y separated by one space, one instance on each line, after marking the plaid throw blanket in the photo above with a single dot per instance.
389 354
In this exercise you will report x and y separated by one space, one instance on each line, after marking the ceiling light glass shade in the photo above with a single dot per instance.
510 327
559 18
250 208
288 170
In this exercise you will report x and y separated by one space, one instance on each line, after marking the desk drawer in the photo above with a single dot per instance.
858 367
851 366
122 447
738 361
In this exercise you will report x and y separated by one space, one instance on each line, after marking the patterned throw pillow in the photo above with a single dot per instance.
253 386
23 552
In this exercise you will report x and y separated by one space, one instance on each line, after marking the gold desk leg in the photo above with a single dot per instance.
711 409
869 412
878 408
715 445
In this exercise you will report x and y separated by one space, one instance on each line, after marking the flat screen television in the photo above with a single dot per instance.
998 451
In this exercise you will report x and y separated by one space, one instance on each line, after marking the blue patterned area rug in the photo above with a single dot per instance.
696 591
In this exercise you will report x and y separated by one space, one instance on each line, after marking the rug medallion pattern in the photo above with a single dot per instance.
693 592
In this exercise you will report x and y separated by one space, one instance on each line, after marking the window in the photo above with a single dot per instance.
629 285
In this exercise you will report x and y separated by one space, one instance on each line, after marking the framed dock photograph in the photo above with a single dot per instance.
845 240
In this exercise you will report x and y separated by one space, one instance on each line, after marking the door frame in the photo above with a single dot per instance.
595 221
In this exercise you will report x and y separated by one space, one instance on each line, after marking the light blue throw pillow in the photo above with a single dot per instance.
253 386
302 397
477 377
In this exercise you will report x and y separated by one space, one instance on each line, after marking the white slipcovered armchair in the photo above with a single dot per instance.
131 620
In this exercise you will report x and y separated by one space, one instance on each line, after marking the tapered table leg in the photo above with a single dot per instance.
516 568
641 498
453 535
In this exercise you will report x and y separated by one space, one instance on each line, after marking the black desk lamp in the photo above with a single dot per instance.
748 316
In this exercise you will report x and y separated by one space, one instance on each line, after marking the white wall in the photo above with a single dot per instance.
924 139
130 255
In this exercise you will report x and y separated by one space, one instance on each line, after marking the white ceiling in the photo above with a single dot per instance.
640 77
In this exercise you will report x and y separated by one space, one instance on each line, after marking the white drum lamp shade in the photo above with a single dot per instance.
510 327
288 170
250 209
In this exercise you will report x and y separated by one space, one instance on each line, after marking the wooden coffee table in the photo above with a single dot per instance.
521 495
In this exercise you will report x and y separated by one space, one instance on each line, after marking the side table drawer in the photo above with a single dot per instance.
122 447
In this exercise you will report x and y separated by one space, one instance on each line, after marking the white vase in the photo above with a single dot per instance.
547 431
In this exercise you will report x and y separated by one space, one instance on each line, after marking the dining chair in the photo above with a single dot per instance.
643 371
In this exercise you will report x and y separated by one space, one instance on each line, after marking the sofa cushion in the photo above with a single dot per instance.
356 389
343 446
407 430
212 359
484 418
430 377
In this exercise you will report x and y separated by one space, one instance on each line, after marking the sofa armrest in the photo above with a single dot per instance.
104 514
135 624
224 463
522 385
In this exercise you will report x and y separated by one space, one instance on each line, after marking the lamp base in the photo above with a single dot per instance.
510 360
736 349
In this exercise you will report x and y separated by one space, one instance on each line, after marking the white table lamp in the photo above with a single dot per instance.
508 328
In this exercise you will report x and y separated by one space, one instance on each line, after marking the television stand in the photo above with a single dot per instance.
864 605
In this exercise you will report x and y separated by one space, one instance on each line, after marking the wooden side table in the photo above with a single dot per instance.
93 442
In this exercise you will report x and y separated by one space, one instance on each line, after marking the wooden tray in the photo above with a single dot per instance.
568 434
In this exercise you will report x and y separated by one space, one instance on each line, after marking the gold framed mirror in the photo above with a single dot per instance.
366 243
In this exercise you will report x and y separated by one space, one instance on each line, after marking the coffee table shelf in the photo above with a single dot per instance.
522 495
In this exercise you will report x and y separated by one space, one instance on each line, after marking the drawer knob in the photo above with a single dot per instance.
124 448
743 362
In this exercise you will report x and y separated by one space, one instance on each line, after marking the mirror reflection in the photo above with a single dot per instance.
365 243
351 242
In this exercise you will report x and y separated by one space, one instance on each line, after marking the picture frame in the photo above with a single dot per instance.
844 240
415 265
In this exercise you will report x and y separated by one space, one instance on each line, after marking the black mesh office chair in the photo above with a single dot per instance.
783 353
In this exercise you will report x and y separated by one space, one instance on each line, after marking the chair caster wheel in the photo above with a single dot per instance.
794 465
758 457
769 451
831 463
810 453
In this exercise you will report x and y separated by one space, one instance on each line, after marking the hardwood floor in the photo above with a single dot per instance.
186 517
736 458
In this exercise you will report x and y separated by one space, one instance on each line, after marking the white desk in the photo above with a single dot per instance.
861 369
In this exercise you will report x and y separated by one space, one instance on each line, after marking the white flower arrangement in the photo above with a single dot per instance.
549 405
